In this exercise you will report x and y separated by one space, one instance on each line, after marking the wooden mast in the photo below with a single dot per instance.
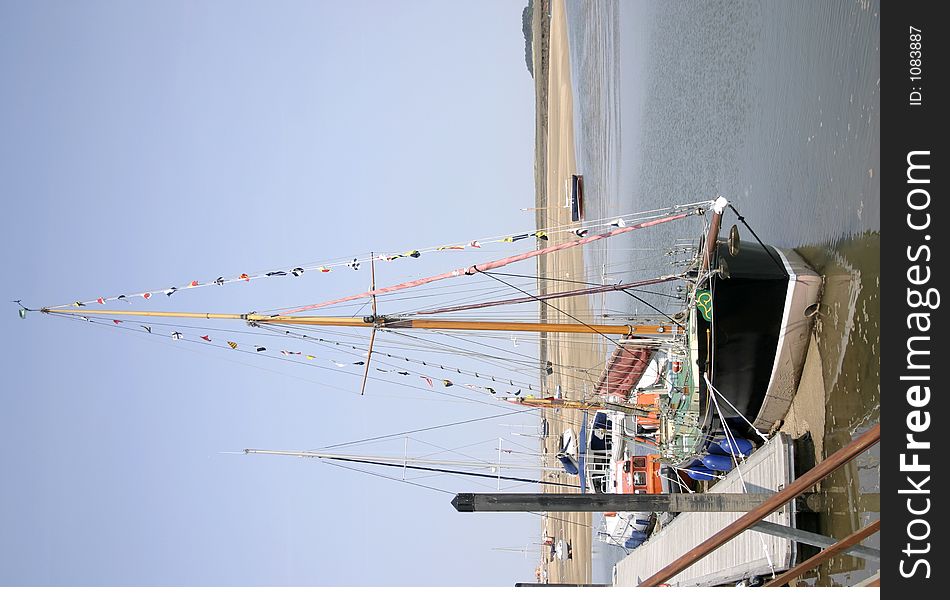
382 322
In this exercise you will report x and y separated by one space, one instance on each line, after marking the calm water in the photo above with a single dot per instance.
776 106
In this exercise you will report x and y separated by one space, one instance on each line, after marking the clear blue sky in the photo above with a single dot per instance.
148 143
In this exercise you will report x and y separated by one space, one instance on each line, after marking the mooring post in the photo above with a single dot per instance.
673 503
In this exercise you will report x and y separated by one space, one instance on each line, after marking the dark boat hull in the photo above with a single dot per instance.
759 334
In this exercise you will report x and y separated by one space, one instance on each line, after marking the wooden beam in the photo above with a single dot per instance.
608 502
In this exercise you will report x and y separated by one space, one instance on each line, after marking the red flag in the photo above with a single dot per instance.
206 338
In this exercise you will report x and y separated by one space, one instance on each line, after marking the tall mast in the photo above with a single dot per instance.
382 322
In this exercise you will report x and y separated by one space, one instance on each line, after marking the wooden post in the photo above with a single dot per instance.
608 502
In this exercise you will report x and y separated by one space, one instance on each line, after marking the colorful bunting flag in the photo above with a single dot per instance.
78 303
206 338
176 335
101 300
276 273
474 244
580 232
233 345
170 291
355 265
447 383
147 295
244 276
116 321
193 283
451 248
146 328
296 272
517 238
428 380
540 235
324 269
219 281
261 349
123 298
619 223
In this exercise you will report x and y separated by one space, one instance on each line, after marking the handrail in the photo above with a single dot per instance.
797 487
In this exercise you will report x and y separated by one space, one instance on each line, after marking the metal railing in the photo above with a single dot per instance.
796 488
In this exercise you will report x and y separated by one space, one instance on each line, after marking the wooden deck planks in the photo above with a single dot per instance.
769 469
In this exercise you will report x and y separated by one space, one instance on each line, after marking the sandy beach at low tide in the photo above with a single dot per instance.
556 163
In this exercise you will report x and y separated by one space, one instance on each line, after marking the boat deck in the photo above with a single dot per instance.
770 468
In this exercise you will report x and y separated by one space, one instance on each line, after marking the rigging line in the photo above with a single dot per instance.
634 296
545 295
527 362
561 519
430 428
660 279
615 343
448 370
745 488
456 451
726 400
531 363
413 294
458 272
766 248
311 266
286 360
164 342
401 295
180 325
396 479
409 360
449 349
444 471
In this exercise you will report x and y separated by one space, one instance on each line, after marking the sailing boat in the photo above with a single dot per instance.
732 355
